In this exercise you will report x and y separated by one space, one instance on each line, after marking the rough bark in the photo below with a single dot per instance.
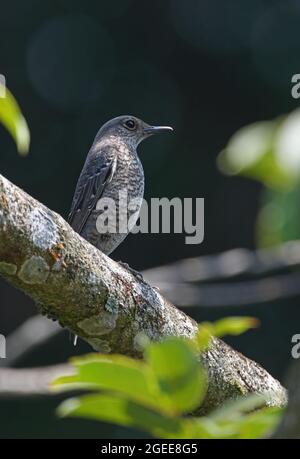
104 304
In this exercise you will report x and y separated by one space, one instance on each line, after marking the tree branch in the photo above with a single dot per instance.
229 265
184 292
100 301
242 293
31 334
30 381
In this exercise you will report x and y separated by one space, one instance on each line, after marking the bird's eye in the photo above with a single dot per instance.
130 124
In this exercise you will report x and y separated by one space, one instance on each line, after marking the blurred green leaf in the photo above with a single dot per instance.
249 152
259 424
171 379
267 151
204 335
278 220
236 408
118 373
155 395
234 325
231 422
119 410
227 326
247 417
178 372
12 118
287 145
207 428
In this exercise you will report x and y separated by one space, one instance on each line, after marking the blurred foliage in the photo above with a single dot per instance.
279 217
269 151
228 326
11 117
157 394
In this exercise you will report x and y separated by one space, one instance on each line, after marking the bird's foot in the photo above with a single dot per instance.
135 273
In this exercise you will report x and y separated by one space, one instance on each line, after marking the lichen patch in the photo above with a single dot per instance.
98 325
112 305
99 345
34 270
43 229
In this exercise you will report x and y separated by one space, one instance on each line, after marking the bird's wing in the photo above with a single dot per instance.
89 190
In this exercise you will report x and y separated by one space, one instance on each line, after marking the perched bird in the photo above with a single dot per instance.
112 166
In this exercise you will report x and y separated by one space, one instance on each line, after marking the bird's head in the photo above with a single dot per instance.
130 129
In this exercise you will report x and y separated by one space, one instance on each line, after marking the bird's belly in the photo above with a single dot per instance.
106 233
115 215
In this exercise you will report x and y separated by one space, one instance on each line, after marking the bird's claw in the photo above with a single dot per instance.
135 273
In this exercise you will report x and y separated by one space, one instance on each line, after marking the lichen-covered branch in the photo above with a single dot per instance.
98 300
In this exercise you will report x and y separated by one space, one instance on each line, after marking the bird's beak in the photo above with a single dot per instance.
149 130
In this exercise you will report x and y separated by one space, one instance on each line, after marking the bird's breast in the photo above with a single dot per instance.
128 178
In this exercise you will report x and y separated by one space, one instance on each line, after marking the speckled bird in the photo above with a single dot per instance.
112 165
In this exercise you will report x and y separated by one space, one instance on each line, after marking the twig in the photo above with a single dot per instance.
228 265
31 334
30 381
232 294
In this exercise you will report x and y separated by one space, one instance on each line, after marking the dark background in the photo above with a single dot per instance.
205 67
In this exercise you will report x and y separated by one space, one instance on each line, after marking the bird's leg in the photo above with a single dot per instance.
135 273
73 338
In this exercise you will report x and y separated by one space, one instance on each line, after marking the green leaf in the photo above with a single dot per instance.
247 417
234 325
12 118
260 423
204 336
287 146
178 372
152 395
254 151
208 428
115 373
236 408
256 424
279 217
227 326
267 151
119 410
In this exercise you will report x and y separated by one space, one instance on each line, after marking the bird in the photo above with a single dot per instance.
112 166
